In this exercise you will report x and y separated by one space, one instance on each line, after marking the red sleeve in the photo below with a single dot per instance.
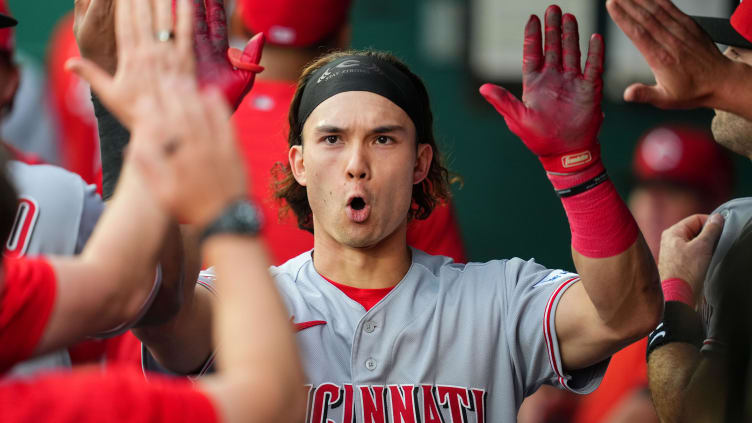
26 301
93 396
439 234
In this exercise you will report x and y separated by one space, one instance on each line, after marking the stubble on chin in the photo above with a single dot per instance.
733 132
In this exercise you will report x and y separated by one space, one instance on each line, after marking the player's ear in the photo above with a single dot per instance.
297 166
422 163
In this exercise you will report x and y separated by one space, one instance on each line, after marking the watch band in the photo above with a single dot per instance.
239 218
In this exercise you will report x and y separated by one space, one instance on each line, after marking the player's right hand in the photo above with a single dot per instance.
687 247
560 113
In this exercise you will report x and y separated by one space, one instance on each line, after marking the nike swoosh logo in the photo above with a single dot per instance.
660 334
305 325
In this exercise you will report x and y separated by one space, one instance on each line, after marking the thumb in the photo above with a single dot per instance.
249 58
712 229
100 80
503 101
641 93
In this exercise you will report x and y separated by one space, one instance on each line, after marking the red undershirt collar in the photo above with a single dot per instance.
365 297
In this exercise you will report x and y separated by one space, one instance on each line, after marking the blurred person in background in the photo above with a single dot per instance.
27 122
686 352
293 40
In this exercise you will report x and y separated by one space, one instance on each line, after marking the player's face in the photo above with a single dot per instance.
730 130
359 162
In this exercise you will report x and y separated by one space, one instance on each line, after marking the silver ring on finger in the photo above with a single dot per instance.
165 35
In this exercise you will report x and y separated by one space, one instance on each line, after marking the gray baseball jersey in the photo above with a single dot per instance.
736 214
450 343
56 214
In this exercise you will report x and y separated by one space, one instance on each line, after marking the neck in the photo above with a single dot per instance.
284 64
379 266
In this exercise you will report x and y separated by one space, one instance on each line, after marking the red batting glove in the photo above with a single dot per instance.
560 113
231 70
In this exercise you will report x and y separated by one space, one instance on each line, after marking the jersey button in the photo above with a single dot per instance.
371 364
369 326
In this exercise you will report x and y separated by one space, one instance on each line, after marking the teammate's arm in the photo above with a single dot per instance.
110 281
686 385
619 298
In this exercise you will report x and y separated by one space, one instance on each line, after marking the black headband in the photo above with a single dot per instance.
360 73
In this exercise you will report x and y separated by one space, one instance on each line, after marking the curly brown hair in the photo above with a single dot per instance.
432 191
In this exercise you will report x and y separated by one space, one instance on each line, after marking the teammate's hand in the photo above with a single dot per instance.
687 247
184 144
560 113
144 62
230 69
684 60
94 28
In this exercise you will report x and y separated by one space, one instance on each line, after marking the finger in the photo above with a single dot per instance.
682 18
712 229
201 31
594 63
217 21
162 15
687 228
184 34
641 93
655 28
218 115
570 45
80 7
552 48
635 31
249 58
99 79
532 51
503 101
123 28
142 22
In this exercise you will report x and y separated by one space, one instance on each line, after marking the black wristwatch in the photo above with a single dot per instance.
239 218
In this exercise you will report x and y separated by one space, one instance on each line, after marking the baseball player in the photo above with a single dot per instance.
389 333
685 384
294 39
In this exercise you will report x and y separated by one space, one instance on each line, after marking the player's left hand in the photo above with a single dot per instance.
687 247
560 113
230 69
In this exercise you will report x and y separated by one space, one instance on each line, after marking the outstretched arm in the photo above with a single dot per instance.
684 60
619 299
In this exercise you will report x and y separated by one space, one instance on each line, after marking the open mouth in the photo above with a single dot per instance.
357 203
358 210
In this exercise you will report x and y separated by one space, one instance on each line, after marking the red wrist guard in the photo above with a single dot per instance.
600 222
675 289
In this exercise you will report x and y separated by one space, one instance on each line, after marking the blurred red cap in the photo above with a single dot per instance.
7 34
296 23
741 20
685 156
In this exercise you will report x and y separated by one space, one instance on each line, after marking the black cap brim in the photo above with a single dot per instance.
6 21
721 31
